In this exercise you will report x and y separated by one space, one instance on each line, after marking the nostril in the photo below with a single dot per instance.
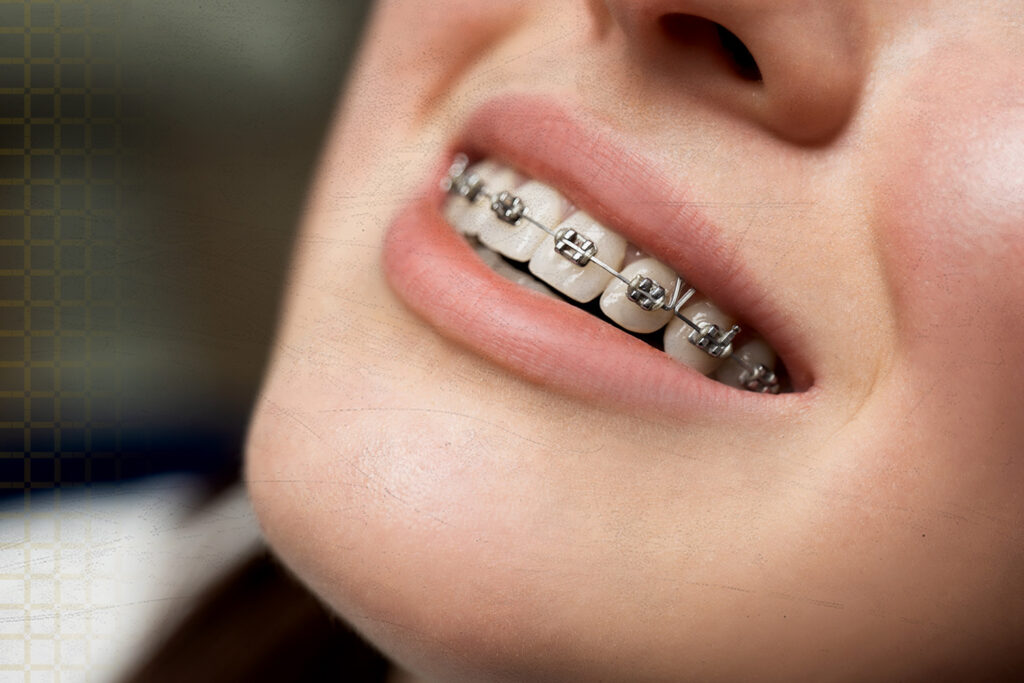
742 61
691 31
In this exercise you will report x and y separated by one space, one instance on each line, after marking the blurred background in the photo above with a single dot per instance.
154 157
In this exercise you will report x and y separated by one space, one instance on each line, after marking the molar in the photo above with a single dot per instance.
753 352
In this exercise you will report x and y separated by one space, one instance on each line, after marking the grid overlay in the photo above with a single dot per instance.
60 144
61 149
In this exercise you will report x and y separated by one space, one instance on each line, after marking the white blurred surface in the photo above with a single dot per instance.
89 578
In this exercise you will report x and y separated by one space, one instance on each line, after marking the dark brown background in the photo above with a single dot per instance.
153 160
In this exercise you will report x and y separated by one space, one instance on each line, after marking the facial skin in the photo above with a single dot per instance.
479 526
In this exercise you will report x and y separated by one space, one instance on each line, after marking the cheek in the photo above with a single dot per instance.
951 231
411 53
953 241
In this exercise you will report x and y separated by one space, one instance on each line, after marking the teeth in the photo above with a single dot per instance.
468 218
499 266
582 284
550 262
754 352
619 308
677 335
633 253
518 242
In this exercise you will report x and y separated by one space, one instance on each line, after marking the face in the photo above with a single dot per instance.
495 483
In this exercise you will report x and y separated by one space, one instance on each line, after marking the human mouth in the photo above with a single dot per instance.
530 234
472 292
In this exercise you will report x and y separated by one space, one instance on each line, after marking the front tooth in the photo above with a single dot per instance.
581 284
468 217
518 242
619 308
677 335
754 352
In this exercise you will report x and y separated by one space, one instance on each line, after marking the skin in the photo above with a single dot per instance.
874 178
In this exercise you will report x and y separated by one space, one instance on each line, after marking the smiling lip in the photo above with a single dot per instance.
435 272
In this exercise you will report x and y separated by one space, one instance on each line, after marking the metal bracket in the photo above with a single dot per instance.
508 207
645 293
574 246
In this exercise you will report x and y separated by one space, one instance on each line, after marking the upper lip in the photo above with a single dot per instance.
591 166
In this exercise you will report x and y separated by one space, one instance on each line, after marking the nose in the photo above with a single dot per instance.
795 67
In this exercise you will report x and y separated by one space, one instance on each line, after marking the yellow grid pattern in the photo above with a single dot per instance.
61 145
60 139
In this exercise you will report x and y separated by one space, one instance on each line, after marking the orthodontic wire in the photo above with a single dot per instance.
641 290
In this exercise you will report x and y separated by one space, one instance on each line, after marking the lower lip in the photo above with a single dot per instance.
436 274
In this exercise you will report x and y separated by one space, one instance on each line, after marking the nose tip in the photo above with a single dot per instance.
794 67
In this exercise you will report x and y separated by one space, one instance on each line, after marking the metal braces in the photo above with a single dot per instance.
508 207
757 378
644 291
575 246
